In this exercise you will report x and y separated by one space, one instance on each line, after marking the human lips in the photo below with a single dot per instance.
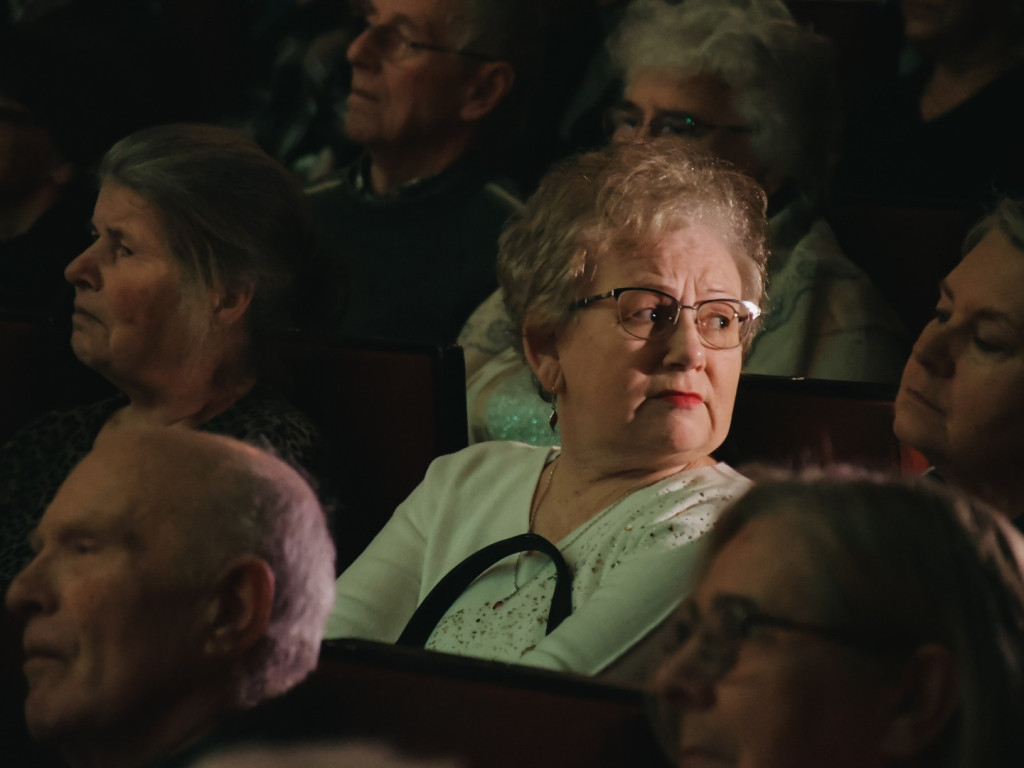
917 396
680 398
38 657
84 313
361 93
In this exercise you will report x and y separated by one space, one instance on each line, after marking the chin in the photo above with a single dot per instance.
359 129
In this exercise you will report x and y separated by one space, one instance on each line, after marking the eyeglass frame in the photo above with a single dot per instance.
662 710
373 31
752 617
614 293
698 125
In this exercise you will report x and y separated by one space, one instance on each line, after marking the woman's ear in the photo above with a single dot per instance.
239 614
925 697
231 303
486 88
540 348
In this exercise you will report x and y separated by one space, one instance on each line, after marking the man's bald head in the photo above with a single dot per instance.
177 572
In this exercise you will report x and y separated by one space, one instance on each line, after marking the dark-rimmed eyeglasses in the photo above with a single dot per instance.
627 121
717 636
647 313
733 618
393 45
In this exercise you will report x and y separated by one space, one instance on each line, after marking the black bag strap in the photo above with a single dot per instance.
455 582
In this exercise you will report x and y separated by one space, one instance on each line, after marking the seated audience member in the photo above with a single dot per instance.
434 86
200 239
179 579
944 125
752 86
635 275
961 401
890 634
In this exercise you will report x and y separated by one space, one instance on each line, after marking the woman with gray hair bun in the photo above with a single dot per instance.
202 249
743 81
635 275
891 632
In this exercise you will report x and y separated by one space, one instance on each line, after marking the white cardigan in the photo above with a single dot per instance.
632 563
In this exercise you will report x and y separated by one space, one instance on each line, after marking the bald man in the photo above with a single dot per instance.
179 579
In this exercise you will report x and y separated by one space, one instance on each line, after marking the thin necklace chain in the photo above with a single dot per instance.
533 517
542 495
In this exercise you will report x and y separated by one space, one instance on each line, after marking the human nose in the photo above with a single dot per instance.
682 679
933 351
84 271
685 347
29 593
362 51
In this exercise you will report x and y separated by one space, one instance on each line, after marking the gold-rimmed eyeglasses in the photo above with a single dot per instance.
647 313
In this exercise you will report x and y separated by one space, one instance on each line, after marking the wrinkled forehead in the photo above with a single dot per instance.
676 233
770 560
110 493
433 16
990 278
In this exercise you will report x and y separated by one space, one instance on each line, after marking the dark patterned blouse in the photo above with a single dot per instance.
34 463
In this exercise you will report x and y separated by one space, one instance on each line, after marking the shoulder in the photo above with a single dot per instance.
489 459
269 422
62 430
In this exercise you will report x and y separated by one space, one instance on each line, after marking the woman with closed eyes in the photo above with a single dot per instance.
961 400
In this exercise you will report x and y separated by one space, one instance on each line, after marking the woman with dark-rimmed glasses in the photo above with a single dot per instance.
635 275
844 619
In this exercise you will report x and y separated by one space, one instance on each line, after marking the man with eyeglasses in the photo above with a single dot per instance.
437 88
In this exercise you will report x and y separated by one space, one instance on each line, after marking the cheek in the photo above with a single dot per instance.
148 307
795 722
724 374
983 408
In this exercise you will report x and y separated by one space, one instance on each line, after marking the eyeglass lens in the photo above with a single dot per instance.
644 314
387 41
717 635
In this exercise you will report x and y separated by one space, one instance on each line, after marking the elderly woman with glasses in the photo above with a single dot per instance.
745 82
890 634
635 275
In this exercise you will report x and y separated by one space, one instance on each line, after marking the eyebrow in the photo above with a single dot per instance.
991 315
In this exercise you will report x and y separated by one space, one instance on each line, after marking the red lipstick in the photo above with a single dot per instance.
682 399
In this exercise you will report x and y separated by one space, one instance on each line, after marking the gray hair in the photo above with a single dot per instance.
622 198
782 75
912 560
233 215
243 501
1008 218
